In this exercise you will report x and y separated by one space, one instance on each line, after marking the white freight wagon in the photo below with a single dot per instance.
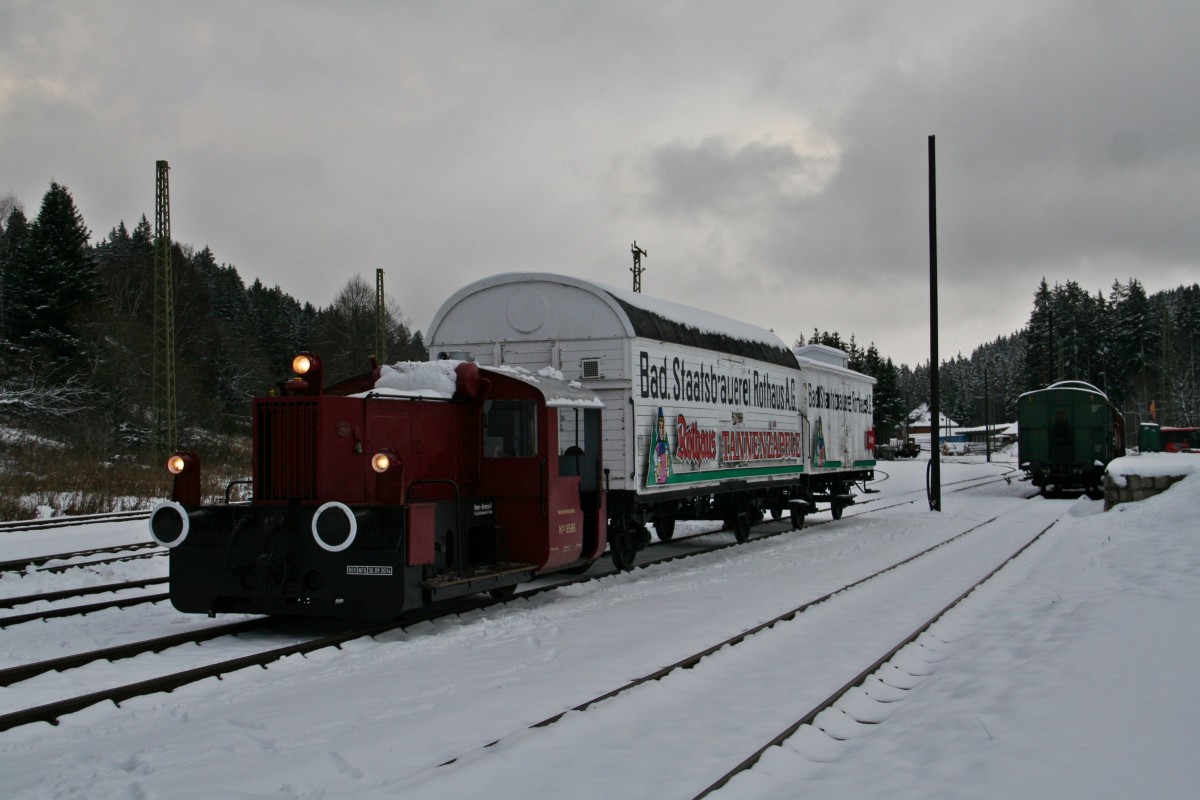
705 417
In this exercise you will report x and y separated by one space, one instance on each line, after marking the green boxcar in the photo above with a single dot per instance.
1067 434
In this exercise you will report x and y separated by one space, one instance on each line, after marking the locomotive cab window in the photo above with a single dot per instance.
509 428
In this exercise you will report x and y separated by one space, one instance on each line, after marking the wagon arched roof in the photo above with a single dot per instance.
539 306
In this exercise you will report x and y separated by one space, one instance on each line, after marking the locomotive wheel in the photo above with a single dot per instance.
836 510
622 546
797 521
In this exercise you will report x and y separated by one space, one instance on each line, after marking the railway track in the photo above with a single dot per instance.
687 691
876 670
81 591
89 608
38 563
50 523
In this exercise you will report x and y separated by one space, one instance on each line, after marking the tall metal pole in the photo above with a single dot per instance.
637 269
164 316
380 320
935 410
987 417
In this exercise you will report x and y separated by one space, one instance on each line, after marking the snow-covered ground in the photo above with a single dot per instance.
1068 675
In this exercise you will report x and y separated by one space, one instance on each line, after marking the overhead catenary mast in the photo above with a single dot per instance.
637 268
380 320
164 318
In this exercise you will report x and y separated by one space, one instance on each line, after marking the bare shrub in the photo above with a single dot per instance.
39 479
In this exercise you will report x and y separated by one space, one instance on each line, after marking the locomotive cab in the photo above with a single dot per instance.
392 491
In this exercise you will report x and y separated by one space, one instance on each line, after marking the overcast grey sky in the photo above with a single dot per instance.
770 156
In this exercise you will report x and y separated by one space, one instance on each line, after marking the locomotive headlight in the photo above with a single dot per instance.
185 466
182 462
309 371
301 364
381 462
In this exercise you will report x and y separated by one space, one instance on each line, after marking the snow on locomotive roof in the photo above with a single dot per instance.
434 379
637 315
437 380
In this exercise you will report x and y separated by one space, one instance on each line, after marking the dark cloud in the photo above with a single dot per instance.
771 156
714 178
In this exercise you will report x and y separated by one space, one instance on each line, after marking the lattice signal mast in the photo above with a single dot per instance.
164 317
380 320
637 268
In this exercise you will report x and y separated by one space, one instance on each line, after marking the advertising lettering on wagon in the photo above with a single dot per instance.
705 446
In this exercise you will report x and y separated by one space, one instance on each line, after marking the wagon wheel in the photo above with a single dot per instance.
741 527
797 521
836 505
665 526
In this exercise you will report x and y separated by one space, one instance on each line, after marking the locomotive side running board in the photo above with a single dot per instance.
447 587
482 573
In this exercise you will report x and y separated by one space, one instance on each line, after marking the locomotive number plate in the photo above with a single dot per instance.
352 570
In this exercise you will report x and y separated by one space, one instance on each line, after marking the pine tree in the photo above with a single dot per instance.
889 405
1136 338
14 251
48 287
1039 348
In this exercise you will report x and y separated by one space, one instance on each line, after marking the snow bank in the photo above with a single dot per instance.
1151 465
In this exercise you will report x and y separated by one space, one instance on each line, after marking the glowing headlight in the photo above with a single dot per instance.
301 364
176 464
381 462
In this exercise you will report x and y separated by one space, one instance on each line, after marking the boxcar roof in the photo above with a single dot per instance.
632 315
1069 386
558 391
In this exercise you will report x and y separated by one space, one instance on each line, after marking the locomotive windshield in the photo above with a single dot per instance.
509 428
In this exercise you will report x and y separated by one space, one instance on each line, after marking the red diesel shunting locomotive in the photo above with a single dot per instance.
394 490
